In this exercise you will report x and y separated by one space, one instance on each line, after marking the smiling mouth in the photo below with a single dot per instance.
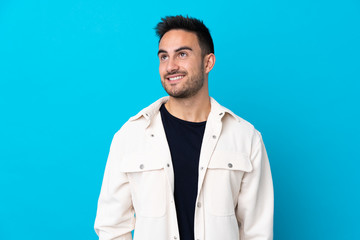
175 78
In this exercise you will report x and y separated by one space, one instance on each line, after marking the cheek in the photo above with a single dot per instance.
191 66
188 67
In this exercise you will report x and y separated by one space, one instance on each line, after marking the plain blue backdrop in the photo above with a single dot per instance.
72 72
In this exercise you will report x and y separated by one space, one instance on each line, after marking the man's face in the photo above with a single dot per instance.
181 64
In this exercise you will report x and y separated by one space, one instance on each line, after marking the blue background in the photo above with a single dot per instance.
72 72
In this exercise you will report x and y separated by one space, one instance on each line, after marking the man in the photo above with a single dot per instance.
185 167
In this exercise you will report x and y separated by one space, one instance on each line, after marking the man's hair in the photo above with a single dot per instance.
187 24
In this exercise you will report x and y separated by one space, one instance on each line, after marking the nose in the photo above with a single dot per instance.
172 66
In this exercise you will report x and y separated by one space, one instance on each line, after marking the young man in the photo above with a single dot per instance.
185 167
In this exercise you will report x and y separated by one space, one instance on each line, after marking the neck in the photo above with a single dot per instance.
193 109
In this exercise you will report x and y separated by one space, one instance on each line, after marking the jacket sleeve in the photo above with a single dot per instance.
115 214
255 206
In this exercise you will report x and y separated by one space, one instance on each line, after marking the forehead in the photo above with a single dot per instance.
174 39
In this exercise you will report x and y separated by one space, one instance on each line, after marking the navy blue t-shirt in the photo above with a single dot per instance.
184 139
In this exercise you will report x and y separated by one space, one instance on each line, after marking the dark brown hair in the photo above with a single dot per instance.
188 24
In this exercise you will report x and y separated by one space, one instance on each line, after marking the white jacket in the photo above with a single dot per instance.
235 192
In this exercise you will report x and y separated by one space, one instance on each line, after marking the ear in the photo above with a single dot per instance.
209 62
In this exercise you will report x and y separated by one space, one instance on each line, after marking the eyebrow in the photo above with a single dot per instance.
177 50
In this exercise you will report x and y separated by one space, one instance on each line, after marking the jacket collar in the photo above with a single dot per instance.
217 111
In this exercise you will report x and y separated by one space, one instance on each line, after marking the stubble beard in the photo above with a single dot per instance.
189 88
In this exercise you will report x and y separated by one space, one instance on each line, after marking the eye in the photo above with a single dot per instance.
182 54
163 57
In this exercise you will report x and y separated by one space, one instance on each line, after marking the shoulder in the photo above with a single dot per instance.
235 123
141 120
150 110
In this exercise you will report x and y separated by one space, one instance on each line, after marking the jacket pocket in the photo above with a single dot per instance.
147 182
222 183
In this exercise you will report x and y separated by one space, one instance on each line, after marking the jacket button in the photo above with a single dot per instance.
141 166
198 204
201 168
230 165
214 137
152 135
168 165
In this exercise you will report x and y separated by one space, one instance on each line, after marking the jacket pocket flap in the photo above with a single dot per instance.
140 163
230 161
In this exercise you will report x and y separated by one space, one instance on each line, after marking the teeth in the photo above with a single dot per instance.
175 78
